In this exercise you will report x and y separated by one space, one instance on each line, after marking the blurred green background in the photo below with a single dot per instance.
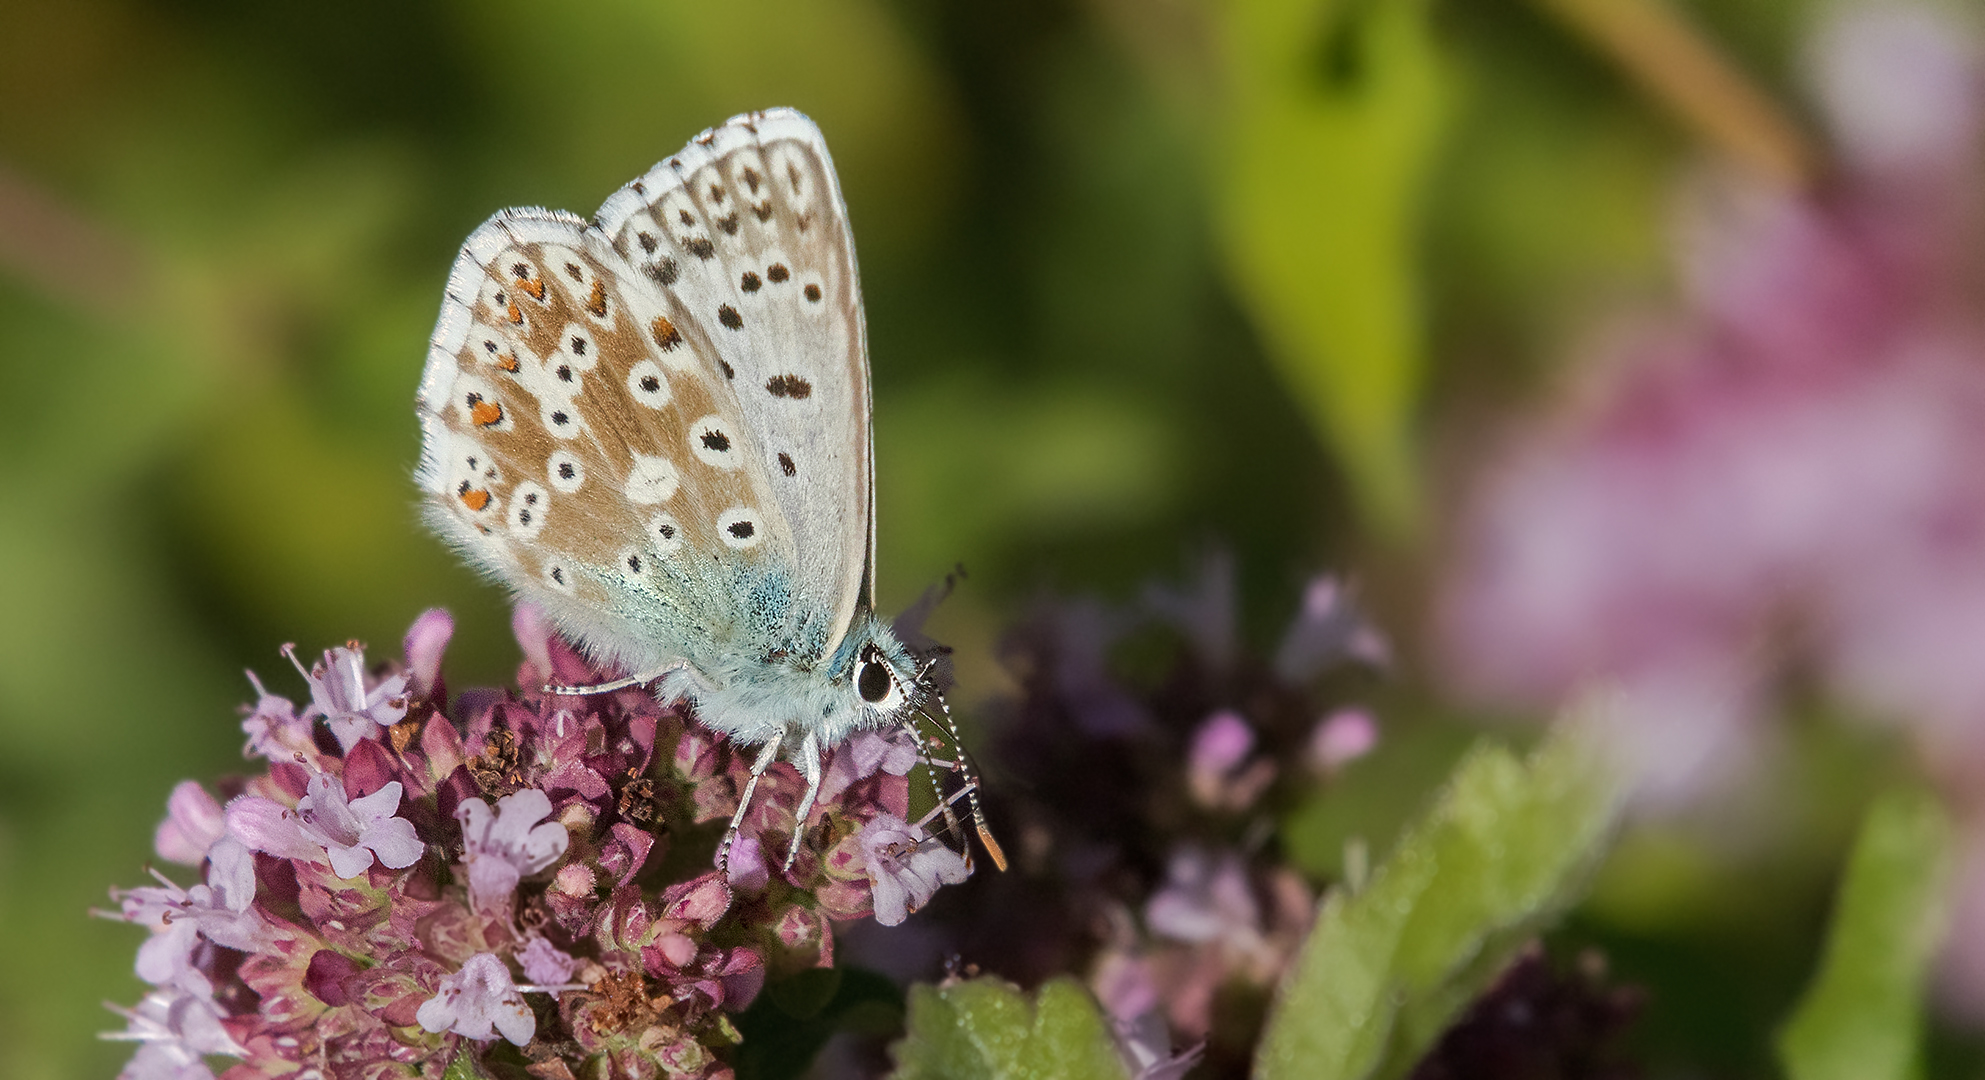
1142 276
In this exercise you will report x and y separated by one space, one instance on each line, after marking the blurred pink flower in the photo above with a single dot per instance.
1798 450
1341 738
1801 446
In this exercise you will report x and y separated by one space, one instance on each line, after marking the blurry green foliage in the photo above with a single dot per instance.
987 1029
1862 1017
1506 847
1334 114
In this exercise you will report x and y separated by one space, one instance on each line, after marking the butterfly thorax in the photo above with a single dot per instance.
783 689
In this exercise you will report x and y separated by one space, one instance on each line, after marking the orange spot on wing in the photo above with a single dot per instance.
666 335
516 317
507 362
534 286
597 303
484 414
475 499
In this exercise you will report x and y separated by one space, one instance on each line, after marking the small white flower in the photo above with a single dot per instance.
905 868
477 1002
499 849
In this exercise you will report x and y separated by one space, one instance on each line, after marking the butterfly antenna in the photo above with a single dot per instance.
971 780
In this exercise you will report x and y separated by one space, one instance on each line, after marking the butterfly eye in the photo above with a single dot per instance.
875 682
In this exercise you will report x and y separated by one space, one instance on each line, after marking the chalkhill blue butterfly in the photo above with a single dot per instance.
655 426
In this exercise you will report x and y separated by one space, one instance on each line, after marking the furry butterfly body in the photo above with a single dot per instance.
655 425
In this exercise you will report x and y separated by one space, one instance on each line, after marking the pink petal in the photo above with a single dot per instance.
193 822
268 827
426 640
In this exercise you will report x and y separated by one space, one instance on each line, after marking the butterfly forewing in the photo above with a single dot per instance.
746 230
582 442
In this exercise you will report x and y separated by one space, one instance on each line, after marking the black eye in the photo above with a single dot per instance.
874 682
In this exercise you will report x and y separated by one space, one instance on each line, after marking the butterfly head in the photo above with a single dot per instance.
880 682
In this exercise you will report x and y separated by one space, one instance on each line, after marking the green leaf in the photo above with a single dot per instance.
464 1066
986 1029
1335 112
1508 845
1862 1017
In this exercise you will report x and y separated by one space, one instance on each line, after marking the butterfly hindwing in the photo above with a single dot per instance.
582 444
747 231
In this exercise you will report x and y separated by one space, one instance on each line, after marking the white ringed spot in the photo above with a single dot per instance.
710 439
647 384
665 533
740 528
561 418
565 471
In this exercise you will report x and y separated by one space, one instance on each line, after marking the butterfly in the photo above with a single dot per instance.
655 425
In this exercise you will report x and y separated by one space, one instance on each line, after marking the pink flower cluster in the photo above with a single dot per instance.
1799 449
410 882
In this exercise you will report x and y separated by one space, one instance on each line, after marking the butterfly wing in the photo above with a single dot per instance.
746 230
582 444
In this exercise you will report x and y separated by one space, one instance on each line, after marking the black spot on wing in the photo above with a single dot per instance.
788 386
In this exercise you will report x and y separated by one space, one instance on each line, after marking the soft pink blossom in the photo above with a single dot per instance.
339 692
353 831
426 640
1341 738
479 1001
502 847
1206 898
193 822
220 910
546 964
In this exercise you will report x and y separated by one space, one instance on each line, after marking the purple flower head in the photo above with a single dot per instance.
477 1002
906 867
193 823
502 848
1798 445
333 943
339 693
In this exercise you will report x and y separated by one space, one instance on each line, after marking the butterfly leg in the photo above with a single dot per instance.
765 759
809 763
617 684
